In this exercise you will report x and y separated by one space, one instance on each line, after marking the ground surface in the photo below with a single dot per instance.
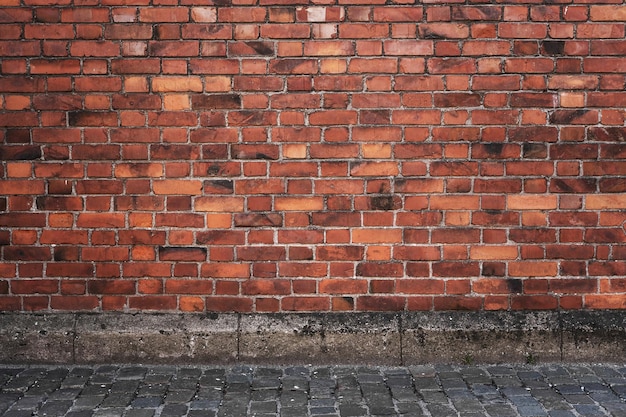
439 391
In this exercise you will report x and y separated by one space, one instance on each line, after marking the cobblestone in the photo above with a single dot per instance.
550 390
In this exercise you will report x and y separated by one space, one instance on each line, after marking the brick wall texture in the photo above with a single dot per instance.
327 155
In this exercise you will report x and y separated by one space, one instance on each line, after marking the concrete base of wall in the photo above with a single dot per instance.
315 338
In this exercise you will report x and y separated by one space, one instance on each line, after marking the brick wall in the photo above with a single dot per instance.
330 155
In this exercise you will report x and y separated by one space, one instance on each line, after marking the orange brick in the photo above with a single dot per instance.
605 202
219 204
376 236
178 187
493 252
299 204
533 269
531 202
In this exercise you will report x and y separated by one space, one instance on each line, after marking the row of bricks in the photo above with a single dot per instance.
223 242
52 12
284 56
323 91
457 267
427 227
335 286
328 118
282 203
419 258
256 125
288 159
597 243
329 91
270 194
64 11
145 143
457 227
311 303
85 32
284 177
385 105
280 195
532 210
512 122
495 222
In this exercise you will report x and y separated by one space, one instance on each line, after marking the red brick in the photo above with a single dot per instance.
74 303
305 303
443 30
111 287
266 287
298 270
419 286
408 47
397 14
229 304
534 302
152 302
188 286
328 48
458 303
39 286
164 14
381 303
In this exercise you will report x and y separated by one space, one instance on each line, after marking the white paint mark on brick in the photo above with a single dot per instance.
125 16
316 14
324 31
135 49
204 14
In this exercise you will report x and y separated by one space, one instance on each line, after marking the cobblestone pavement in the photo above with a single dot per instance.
438 391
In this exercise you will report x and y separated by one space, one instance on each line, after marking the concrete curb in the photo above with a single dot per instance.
314 338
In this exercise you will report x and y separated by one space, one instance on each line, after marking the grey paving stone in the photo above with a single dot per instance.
440 410
117 400
88 401
64 394
125 386
294 412
147 402
409 408
28 403
347 410
561 413
109 412
86 413
174 410
531 411
143 412
134 372
202 413
434 397
590 410
179 396
323 411
18 413
553 390
97 389
500 410
263 407
55 408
